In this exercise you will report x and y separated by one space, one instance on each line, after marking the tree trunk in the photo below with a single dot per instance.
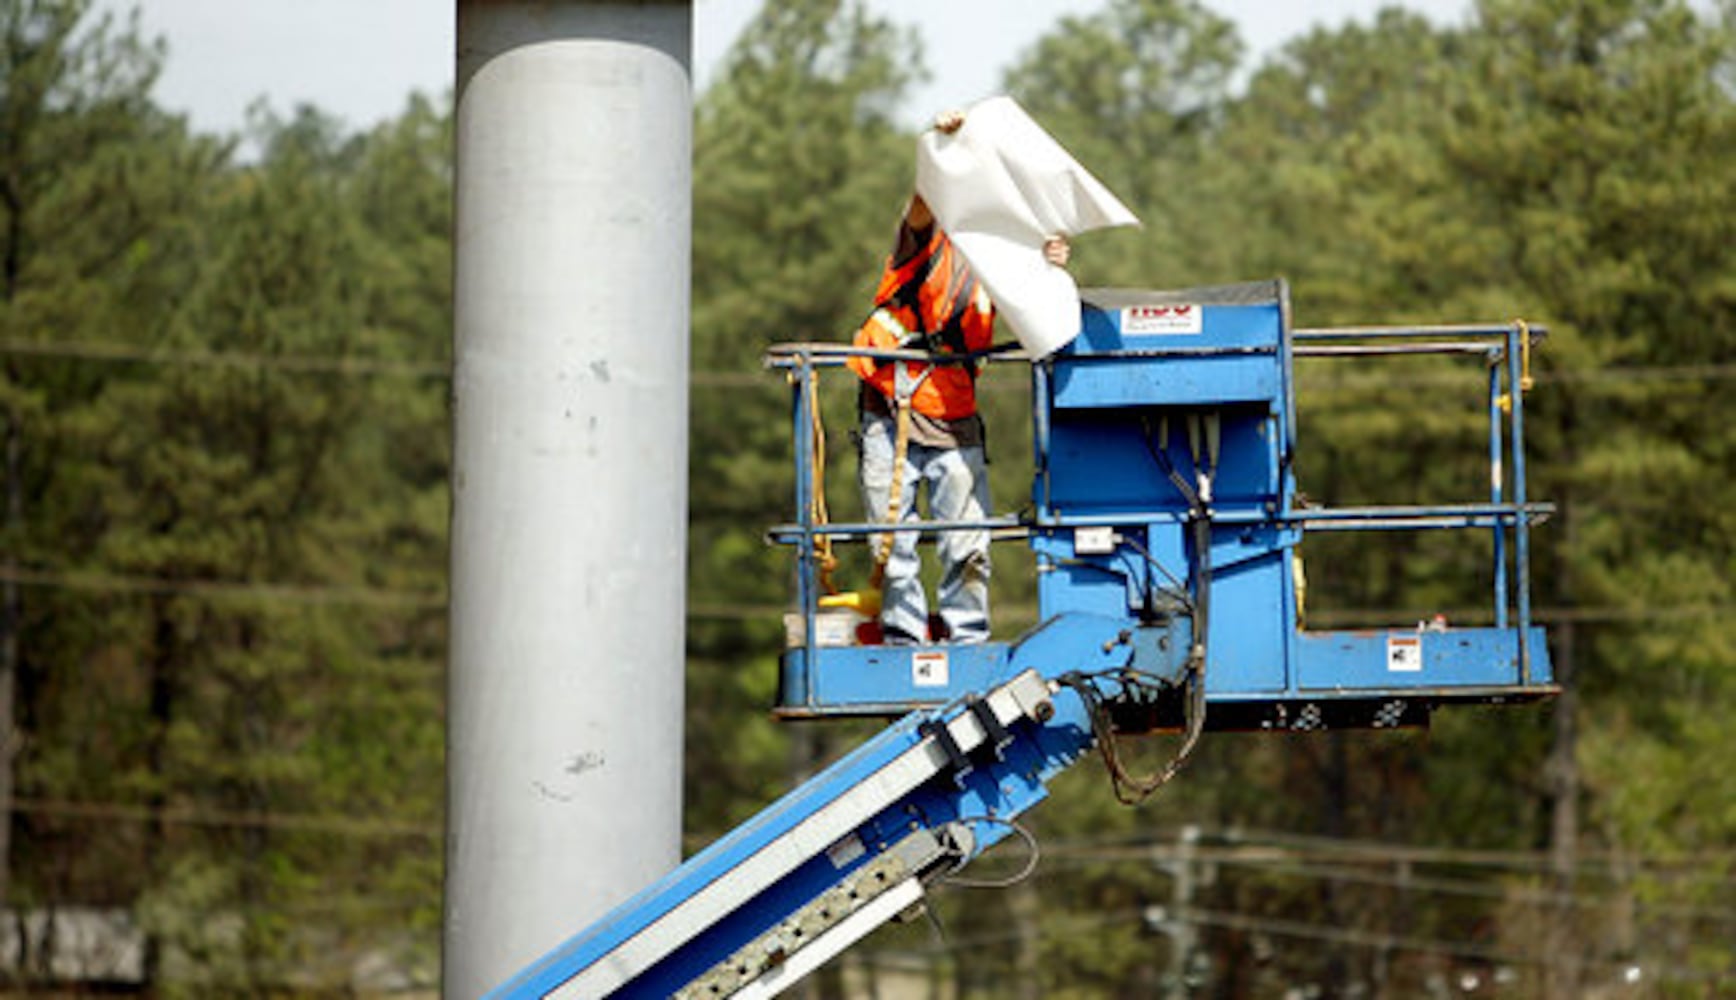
11 529
1563 969
11 614
161 685
1026 905
1339 967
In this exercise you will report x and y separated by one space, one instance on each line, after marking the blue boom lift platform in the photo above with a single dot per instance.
1165 522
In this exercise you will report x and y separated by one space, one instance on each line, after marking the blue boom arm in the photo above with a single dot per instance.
1166 525
850 849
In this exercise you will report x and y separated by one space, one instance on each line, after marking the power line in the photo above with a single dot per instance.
1285 849
1526 895
1298 865
749 379
1287 928
1385 851
1285 845
1591 614
307 364
1565 376
312 594
1287 862
226 819
1382 941
283 593
298 364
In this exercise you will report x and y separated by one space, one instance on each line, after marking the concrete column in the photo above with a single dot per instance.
569 477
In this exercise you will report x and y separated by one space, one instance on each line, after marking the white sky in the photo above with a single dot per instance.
360 59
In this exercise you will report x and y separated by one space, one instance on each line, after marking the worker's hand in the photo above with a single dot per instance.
1057 251
948 122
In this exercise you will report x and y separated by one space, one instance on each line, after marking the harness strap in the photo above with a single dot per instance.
907 386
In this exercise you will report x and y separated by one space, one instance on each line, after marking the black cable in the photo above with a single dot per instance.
1131 790
1179 589
1161 456
1181 596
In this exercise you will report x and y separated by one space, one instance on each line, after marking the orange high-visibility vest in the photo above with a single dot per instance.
931 301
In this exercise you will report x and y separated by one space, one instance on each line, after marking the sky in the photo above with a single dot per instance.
361 59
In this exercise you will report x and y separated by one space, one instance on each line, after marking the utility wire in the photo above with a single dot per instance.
306 594
1298 867
725 378
109 812
1283 846
1242 838
1354 848
298 364
271 592
1282 927
1310 931
1337 854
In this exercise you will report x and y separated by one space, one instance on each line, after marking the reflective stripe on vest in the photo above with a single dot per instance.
930 301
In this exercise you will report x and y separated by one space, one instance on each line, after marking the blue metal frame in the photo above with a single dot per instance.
905 780
1133 562
1099 407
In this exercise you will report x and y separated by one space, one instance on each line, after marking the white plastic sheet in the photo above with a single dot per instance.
1001 186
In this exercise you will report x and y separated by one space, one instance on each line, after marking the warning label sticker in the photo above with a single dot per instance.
928 669
1404 653
1162 319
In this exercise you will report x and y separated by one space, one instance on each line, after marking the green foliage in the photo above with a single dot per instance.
231 641
800 177
1135 91
223 536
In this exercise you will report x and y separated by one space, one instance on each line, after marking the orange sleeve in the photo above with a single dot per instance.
978 322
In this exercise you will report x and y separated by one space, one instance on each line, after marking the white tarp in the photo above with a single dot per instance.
1001 186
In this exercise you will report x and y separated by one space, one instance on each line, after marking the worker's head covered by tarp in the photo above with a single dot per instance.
1001 186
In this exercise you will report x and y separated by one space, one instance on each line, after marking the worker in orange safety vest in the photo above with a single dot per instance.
920 426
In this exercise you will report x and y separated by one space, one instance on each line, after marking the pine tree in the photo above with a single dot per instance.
800 174
98 195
